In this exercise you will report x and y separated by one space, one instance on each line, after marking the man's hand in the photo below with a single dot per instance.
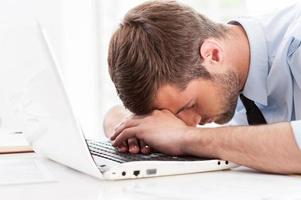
132 145
161 130
116 116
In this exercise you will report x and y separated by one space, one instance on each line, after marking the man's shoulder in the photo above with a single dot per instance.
278 18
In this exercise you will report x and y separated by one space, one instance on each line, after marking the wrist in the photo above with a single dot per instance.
202 142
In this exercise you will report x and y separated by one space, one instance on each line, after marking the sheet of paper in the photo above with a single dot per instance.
13 142
23 170
12 138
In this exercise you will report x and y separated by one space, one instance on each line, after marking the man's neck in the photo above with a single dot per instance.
240 52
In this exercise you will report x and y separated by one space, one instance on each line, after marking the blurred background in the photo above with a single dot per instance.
79 32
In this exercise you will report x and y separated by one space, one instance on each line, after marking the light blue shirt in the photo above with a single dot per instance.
274 79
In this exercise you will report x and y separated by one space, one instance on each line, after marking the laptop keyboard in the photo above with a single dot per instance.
104 149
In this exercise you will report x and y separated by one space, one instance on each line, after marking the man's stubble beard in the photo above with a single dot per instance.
228 83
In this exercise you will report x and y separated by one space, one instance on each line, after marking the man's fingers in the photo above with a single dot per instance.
145 149
125 135
123 147
133 145
122 126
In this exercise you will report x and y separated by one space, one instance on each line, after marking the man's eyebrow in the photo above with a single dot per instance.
181 109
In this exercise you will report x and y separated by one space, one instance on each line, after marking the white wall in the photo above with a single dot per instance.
72 30
21 12
80 62
17 16
260 6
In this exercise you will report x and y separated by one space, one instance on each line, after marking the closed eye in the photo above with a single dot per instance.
187 105
189 108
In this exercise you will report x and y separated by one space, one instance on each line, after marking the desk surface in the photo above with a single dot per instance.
240 183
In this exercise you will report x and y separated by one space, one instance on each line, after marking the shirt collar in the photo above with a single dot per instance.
256 85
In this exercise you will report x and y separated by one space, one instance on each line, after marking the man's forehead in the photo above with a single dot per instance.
168 97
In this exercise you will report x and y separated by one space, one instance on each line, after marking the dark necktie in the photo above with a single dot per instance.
254 115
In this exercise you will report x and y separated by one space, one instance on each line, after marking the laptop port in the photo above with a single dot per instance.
136 172
151 171
123 173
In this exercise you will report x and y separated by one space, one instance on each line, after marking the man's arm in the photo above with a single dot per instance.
269 148
114 117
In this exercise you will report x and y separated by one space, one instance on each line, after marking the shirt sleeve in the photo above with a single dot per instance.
296 126
294 61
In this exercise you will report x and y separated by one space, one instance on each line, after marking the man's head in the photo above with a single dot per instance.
165 55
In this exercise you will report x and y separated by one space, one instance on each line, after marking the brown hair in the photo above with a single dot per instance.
157 43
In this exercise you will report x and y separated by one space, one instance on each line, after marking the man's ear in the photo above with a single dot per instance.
211 51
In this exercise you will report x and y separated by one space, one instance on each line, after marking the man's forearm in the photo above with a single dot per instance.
270 148
113 117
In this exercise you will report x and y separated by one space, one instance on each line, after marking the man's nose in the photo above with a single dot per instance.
191 118
198 119
195 120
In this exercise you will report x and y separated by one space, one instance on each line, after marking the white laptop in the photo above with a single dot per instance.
53 130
